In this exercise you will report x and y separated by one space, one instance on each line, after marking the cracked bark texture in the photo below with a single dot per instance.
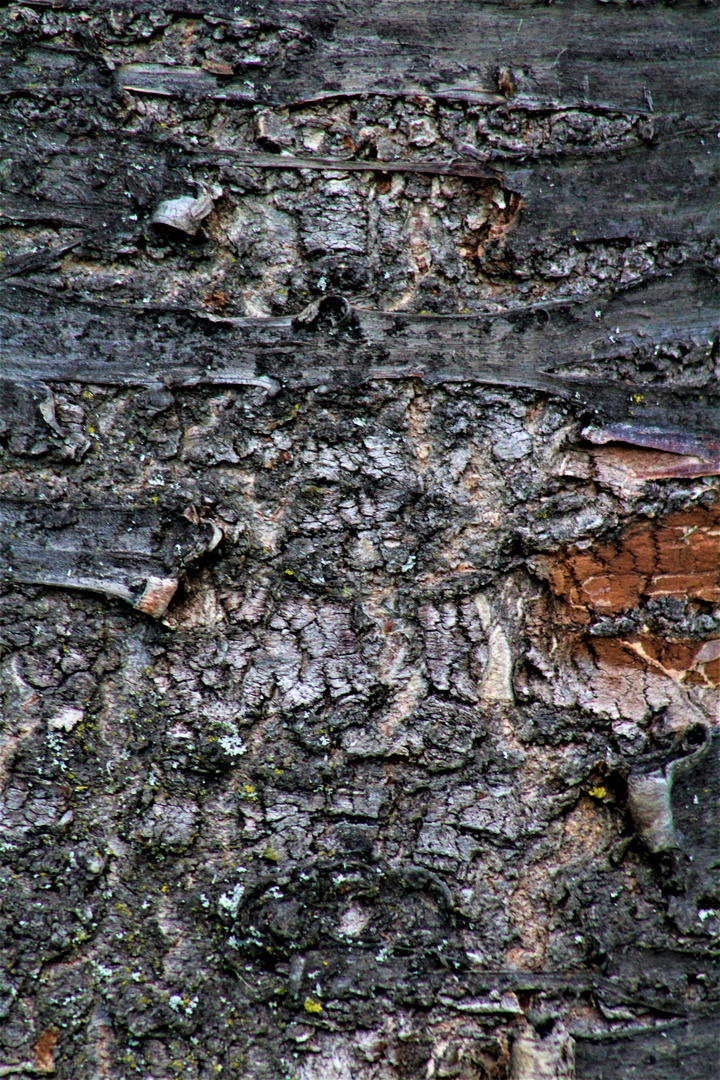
360 551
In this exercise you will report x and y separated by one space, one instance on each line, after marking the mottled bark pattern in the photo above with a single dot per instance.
359 549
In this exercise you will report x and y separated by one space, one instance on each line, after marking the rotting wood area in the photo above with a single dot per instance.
359 614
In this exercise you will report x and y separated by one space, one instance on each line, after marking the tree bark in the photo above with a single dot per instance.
359 570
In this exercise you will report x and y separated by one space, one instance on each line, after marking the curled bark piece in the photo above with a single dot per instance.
216 537
333 306
193 516
156 596
649 799
47 411
184 214
549 1058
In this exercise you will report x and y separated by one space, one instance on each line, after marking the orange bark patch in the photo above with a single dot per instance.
43 1051
692 663
677 557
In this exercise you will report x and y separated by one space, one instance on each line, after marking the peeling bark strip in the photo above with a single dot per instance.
525 348
133 555
675 442
417 308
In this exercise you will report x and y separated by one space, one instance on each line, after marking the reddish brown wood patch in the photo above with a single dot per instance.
679 556
43 1051
676 557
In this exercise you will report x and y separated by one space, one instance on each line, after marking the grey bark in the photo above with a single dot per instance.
359 576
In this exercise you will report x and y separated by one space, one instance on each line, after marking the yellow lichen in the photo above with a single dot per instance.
270 853
313 1006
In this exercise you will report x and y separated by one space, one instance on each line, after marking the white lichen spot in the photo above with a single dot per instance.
233 745
353 922
66 719
230 902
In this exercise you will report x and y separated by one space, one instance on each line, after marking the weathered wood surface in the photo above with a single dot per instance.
520 347
359 595
655 59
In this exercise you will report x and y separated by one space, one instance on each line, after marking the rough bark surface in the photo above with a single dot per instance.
360 549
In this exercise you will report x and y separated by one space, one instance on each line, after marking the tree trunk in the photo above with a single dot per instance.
359 571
